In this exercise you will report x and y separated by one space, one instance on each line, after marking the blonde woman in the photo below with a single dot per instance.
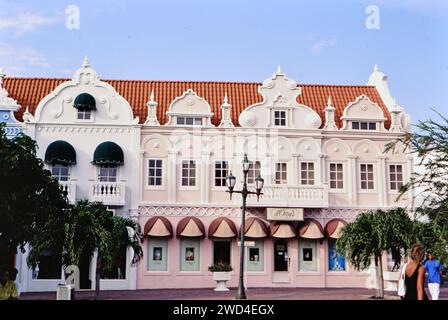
415 275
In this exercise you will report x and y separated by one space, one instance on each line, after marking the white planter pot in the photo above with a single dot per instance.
391 279
221 278
391 276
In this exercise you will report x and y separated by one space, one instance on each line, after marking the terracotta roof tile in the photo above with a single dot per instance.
30 91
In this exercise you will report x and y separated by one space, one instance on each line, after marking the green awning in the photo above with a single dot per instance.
60 152
108 153
85 101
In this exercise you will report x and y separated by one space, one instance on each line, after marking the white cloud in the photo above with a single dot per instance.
318 46
18 60
21 23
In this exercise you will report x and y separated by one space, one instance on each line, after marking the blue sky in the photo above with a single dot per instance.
237 40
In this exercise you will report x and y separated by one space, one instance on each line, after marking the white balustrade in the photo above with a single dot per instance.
286 195
110 193
70 188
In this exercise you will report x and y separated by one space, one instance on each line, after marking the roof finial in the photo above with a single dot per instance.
151 97
226 100
375 68
86 62
329 103
279 70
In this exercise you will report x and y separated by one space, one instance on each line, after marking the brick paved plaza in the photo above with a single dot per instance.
209 294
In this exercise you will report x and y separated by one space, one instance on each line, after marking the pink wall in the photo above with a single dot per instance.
174 278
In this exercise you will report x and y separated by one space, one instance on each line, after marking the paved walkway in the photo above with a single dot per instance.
209 294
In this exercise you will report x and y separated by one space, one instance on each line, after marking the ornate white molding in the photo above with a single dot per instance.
84 129
173 211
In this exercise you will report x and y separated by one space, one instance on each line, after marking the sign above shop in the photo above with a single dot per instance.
285 214
247 243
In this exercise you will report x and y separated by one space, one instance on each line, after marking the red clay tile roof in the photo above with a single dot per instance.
29 91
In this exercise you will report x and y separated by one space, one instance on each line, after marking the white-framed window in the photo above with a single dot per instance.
254 171
189 121
84 114
281 173
60 172
188 169
395 176
307 173
366 176
363 125
221 173
280 118
155 172
107 173
336 176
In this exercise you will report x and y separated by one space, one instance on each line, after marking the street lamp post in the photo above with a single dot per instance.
231 180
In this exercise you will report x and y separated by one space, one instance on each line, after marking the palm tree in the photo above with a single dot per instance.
92 228
372 234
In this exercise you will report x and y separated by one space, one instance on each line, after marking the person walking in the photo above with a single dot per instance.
434 269
415 275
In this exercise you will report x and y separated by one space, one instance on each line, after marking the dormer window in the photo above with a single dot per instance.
189 110
84 114
85 104
189 121
280 118
363 125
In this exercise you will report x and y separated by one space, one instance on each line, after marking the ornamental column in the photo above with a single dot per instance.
295 169
352 185
382 180
172 176
205 174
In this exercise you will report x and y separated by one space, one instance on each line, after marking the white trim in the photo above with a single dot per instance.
374 172
344 176
196 186
146 176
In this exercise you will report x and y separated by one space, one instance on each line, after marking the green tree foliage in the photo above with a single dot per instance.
28 193
429 143
88 228
371 235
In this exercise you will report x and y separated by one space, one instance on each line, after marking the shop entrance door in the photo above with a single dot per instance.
280 255
84 272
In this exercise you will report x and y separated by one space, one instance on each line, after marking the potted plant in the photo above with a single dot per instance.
221 274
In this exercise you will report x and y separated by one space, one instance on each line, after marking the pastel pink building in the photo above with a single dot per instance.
319 149
162 151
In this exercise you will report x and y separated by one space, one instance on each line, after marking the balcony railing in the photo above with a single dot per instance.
287 195
109 193
70 188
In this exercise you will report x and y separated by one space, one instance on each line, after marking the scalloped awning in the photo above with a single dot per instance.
222 227
60 152
311 229
282 230
333 228
190 227
255 228
85 101
158 226
108 153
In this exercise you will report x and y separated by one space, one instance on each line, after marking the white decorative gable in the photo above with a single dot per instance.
58 105
363 110
280 102
189 105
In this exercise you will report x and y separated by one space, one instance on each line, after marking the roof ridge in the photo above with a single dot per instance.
198 81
